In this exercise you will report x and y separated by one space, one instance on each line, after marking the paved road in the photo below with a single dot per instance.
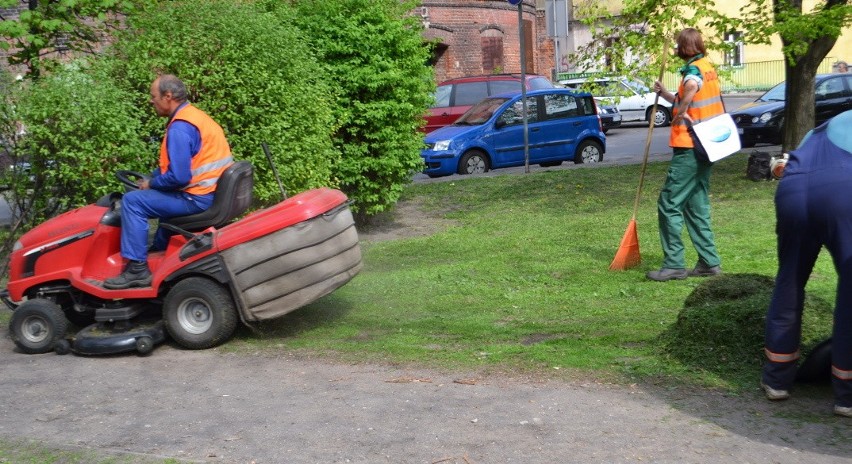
207 406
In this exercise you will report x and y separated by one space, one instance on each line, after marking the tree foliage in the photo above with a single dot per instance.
631 41
255 75
50 26
337 89
373 54
64 135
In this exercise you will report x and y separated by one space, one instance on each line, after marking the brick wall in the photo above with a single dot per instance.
464 26
11 13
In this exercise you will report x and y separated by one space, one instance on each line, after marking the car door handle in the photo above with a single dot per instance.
578 123
535 129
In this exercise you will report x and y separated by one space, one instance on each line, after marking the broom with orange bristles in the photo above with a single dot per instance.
628 255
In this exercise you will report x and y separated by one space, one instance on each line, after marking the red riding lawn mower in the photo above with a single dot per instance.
214 273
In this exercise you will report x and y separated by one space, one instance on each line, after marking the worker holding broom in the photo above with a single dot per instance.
684 197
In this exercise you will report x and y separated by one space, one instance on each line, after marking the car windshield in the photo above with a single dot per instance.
639 87
774 94
481 112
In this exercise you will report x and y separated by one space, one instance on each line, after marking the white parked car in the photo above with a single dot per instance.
632 98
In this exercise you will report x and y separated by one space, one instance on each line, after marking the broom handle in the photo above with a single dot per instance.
650 130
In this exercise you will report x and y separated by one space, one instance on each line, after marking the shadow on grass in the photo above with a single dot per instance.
720 330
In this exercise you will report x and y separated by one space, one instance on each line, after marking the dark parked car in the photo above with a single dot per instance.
455 96
610 116
562 125
762 120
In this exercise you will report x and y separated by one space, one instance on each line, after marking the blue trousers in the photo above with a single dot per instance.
140 205
813 209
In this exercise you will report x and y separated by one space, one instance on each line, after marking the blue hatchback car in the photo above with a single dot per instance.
562 125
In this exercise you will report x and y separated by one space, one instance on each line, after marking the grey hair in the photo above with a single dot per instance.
169 83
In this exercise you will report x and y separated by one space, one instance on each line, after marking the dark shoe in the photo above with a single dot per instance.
667 274
703 270
136 274
778 395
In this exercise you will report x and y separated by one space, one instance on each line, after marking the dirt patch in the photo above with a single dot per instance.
408 218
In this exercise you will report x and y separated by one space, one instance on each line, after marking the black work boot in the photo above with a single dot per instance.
136 274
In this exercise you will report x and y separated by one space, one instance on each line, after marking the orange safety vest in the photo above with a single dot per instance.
706 103
213 157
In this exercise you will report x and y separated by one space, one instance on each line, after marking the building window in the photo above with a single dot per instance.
734 54
492 51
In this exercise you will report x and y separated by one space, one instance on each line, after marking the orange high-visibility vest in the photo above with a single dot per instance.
706 103
213 157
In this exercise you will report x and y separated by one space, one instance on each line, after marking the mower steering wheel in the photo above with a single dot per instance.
129 178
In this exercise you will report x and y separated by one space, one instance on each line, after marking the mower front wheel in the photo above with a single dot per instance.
37 325
199 313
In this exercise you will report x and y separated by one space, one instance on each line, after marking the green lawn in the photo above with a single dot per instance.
520 281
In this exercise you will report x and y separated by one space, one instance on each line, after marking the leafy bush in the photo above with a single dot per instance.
62 136
255 76
77 127
374 56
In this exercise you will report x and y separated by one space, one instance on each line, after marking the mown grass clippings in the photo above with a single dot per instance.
721 327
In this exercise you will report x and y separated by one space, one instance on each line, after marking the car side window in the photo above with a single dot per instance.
470 93
498 87
514 114
848 80
442 96
829 88
558 106
587 105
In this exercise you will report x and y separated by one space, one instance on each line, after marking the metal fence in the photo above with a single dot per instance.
756 76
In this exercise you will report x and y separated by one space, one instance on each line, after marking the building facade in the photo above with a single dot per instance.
473 37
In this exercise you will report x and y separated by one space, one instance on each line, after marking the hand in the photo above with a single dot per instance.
658 87
143 184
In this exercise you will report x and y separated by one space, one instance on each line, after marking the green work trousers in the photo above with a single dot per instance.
685 199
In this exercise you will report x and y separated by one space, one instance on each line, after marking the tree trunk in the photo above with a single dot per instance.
800 110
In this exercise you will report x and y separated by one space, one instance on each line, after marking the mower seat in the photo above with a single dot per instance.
232 197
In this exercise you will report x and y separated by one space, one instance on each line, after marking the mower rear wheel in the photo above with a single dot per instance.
37 325
199 313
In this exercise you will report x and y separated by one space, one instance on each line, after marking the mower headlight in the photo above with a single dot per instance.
442 145
18 245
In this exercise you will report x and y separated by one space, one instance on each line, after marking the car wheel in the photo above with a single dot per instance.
199 313
37 325
661 118
588 152
473 162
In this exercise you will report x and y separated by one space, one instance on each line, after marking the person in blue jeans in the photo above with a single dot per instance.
193 154
813 207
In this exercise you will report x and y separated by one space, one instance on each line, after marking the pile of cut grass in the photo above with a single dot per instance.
720 328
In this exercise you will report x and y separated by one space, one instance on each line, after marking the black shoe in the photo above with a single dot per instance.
703 270
136 274
667 274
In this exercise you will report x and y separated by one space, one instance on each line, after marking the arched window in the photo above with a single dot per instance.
492 50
